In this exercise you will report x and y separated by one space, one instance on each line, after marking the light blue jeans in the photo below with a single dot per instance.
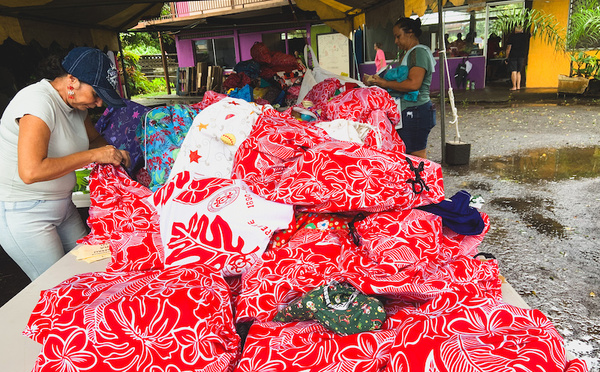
37 233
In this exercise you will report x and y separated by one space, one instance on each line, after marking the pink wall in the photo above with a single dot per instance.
182 9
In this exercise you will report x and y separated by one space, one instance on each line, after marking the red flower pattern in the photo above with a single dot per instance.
444 308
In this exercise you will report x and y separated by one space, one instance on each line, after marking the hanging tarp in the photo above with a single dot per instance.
338 16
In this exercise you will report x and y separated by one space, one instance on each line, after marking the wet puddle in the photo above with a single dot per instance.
531 167
529 210
542 164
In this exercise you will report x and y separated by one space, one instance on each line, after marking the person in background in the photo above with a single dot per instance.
493 46
299 58
379 57
45 135
516 51
459 43
412 92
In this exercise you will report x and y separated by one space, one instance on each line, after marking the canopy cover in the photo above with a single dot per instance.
344 16
72 22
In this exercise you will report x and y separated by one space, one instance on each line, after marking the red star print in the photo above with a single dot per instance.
194 157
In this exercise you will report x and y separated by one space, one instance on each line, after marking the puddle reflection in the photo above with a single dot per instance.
543 164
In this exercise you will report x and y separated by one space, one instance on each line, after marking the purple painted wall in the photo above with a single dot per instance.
246 42
243 43
185 52
477 73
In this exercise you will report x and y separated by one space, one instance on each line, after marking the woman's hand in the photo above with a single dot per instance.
111 155
377 80
126 162
371 80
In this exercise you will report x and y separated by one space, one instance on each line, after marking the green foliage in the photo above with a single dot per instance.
136 80
141 43
585 65
584 30
537 23
166 9
584 33
136 44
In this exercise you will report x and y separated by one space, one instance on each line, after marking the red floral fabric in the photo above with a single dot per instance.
121 216
357 104
312 257
285 161
208 99
173 320
383 136
321 93
308 346
444 308
341 176
457 332
282 275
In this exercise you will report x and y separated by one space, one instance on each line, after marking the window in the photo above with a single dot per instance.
216 52
274 41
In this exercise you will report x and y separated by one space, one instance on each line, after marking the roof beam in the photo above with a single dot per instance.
135 17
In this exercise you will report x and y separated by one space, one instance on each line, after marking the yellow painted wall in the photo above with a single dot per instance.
544 62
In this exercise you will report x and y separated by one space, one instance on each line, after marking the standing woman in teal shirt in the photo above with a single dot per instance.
411 89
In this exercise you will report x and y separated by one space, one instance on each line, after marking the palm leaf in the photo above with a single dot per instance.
584 30
537 23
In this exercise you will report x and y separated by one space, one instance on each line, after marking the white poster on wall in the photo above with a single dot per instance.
334 53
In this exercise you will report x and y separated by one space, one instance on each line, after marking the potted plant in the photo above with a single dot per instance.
583 36
584 74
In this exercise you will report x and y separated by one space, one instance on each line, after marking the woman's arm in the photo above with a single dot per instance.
413 81
34 165
508 48
96 140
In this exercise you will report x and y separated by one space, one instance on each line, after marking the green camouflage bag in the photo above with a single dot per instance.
339 307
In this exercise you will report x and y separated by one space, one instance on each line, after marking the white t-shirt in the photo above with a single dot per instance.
68 135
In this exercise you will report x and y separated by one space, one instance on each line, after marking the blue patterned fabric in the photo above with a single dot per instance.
118 126
160 137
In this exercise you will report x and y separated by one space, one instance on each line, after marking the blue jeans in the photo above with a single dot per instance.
417 122
37 233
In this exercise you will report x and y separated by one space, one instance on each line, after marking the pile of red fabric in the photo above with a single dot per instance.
302 208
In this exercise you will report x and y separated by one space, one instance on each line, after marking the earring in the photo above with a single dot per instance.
70 92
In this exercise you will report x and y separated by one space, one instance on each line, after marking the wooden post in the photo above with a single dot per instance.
164 62
127 95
